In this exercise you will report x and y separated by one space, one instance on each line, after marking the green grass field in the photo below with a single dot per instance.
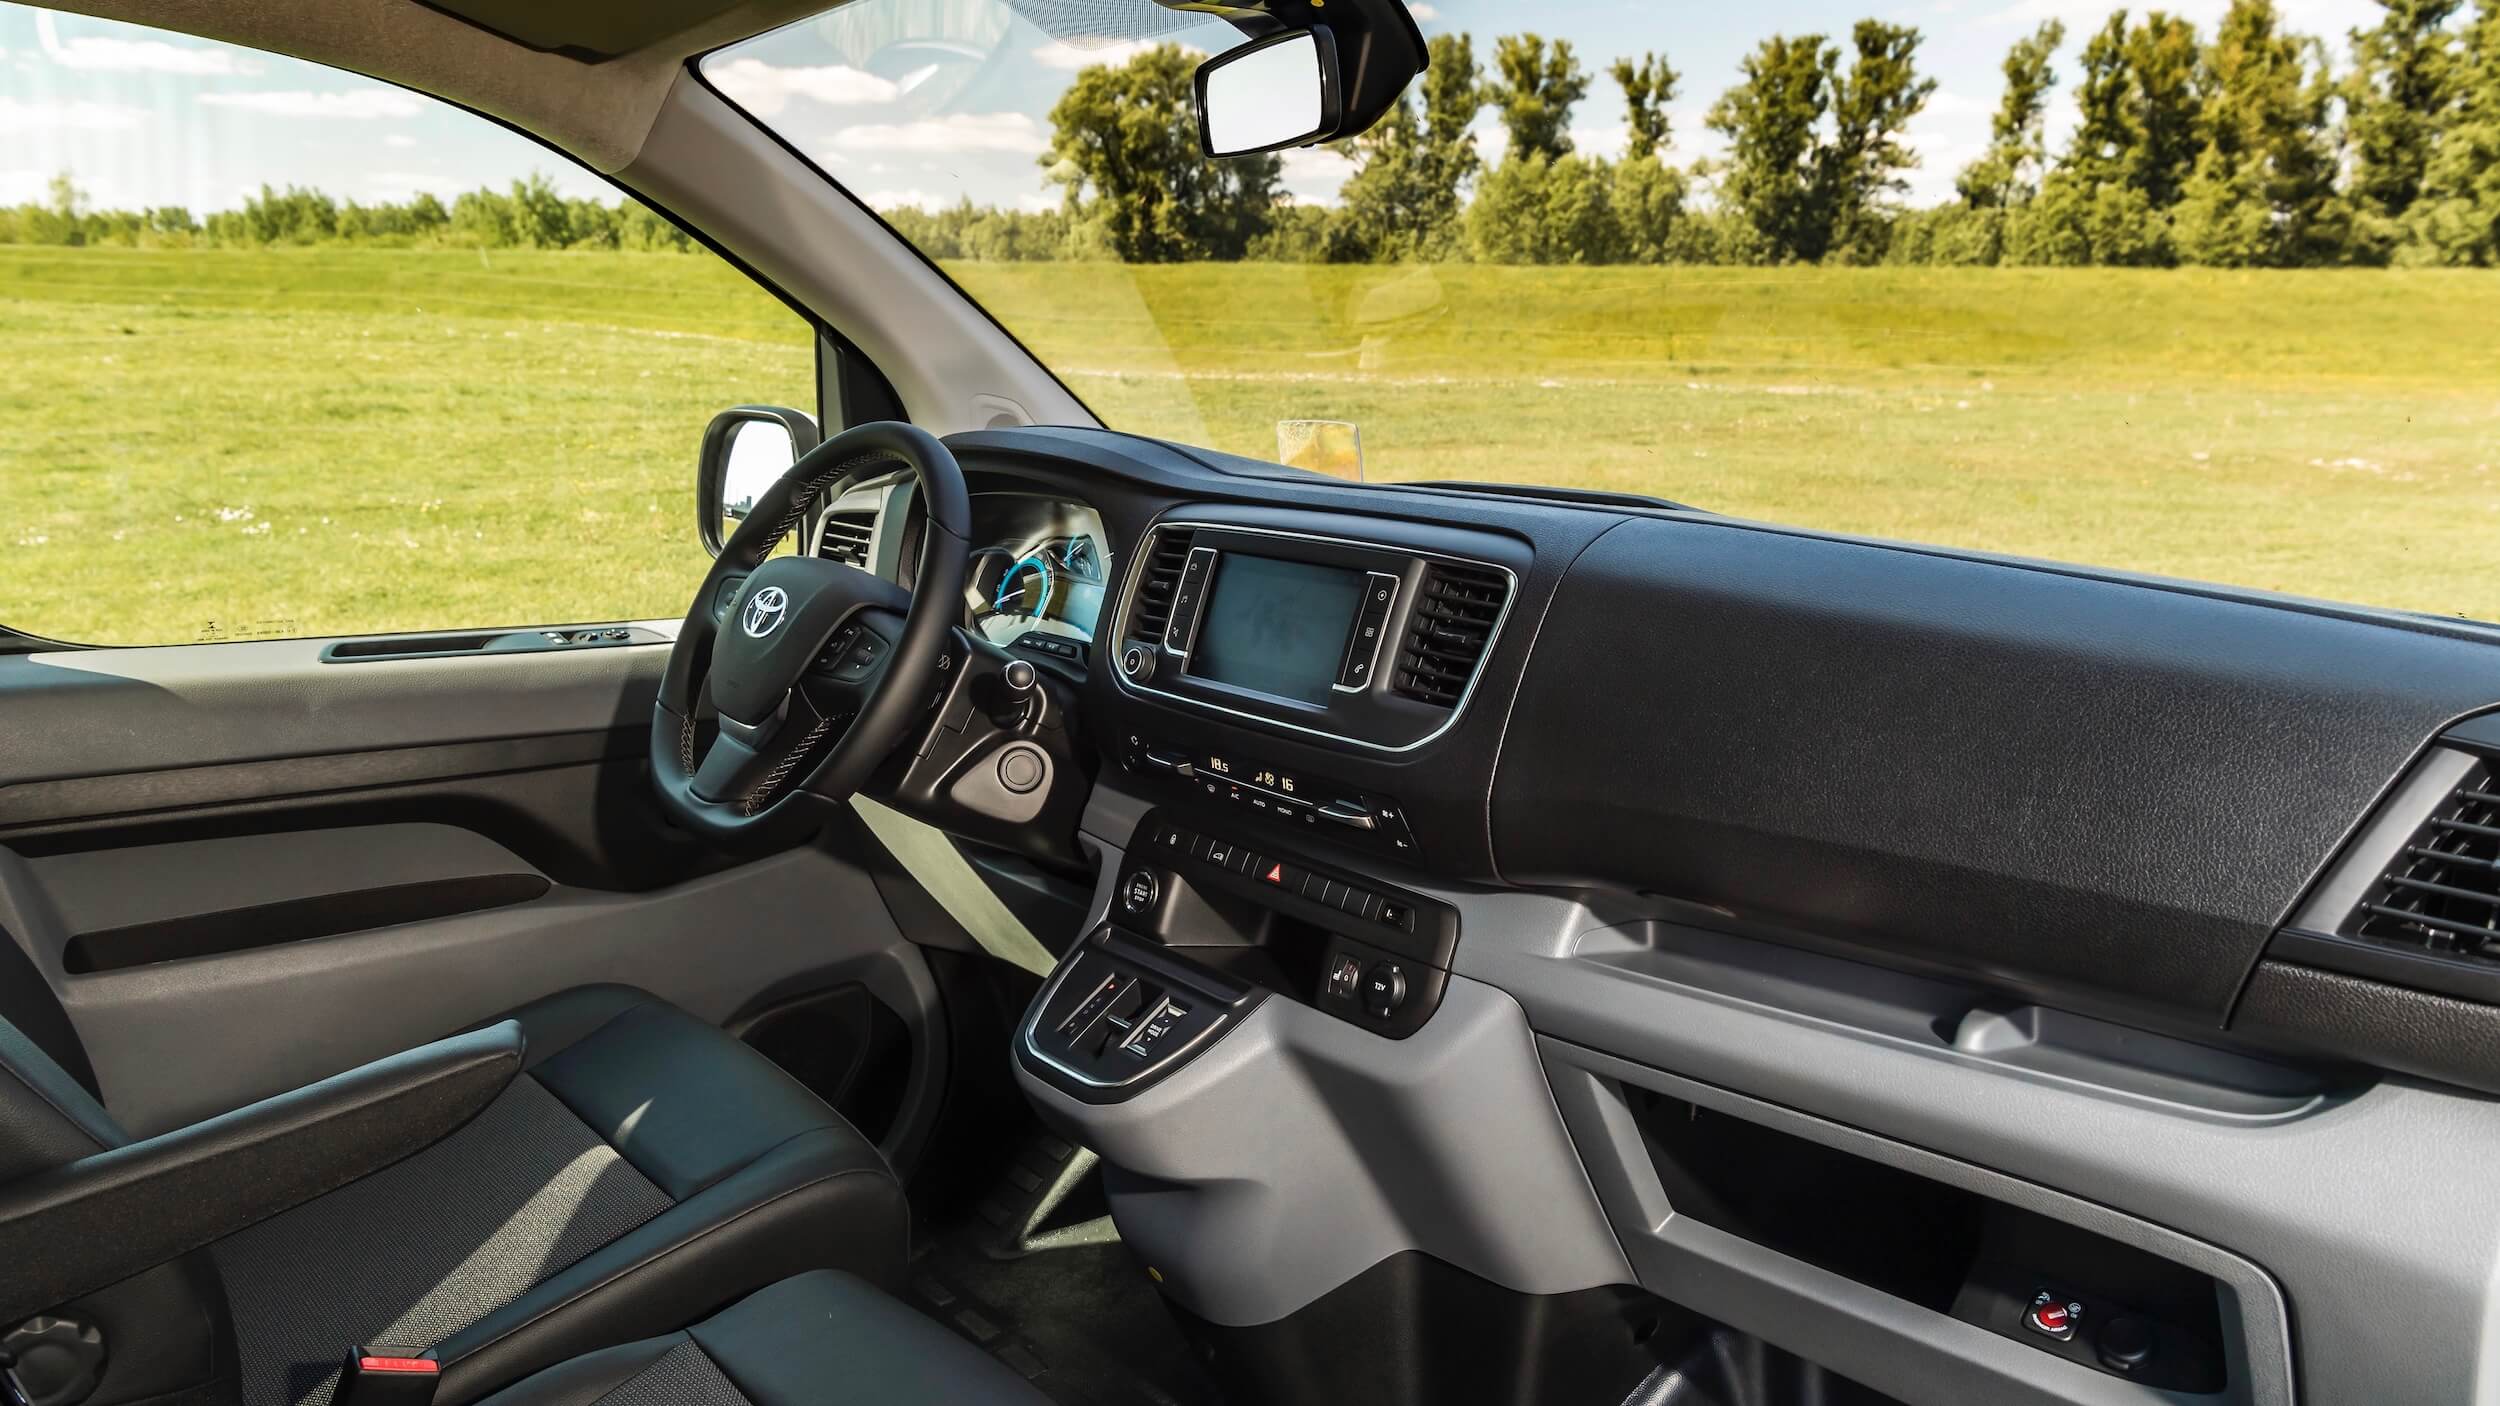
221 444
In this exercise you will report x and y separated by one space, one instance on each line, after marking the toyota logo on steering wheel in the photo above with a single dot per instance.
765 609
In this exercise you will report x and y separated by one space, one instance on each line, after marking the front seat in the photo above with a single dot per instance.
620 1169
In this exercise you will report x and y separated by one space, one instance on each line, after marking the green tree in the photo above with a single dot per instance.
540 219
1771 120
1533 91
1648 86
2456 218
1403 200
1537 209
2396 99
2106 129
1647 194
2165 67
1124 149
2009 174
1860 169
2263 190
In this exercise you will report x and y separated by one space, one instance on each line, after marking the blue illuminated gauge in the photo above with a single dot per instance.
1025 589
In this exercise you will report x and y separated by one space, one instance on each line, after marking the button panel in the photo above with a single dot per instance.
1186 598
1358 950
1121 1012
1294 800
1362 650
1389 919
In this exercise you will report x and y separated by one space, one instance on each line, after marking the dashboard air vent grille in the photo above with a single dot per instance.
846 538
2441 892
1445 637
1153 607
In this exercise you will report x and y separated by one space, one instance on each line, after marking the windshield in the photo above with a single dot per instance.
2207 297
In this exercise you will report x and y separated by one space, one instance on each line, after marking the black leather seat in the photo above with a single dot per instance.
642 1170
823 1339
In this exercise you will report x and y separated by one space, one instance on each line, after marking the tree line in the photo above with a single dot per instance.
2242 148
530 214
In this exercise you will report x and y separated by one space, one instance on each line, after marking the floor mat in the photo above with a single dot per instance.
1082 1323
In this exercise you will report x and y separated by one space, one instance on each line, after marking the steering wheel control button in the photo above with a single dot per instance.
1139 891
1020 770
1384 989
2051 1318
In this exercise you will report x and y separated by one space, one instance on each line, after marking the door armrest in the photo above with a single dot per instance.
101 1219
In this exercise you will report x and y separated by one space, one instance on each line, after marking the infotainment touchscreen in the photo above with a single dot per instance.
1276 627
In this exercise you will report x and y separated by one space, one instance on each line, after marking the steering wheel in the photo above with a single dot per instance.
812 669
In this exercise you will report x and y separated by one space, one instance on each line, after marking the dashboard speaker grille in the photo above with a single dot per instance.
1454 616
2441 892
846 538
1152 610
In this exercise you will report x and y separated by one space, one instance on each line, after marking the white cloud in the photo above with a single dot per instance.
74 114
399 139
1492 140
915 199
354 105
1068 58
1948 134
1424 14
1607 142
956 131
18 187
764 89
1037 202
1944 102
97 54
1314 174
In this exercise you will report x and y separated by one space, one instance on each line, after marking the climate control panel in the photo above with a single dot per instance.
1262 792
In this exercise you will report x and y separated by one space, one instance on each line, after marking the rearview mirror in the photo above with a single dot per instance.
1278 92
745 451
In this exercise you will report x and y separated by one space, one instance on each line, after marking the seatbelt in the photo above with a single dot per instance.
935 864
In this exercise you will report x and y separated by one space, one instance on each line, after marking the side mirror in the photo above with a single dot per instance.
1278 92
745 451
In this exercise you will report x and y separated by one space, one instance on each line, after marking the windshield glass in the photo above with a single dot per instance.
2207 297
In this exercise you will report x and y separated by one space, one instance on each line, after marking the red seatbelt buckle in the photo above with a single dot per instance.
388 1376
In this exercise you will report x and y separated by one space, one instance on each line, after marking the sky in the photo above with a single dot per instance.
906 102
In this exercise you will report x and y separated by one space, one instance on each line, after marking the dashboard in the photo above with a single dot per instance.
1502 825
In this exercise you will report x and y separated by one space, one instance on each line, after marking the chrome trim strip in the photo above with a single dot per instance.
1128 594
1186 629
1372 673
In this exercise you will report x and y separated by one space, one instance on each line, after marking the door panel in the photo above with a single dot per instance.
119 712
243 868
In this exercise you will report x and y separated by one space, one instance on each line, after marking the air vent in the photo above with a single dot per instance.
846 538
2441 891
1446 636
1152 609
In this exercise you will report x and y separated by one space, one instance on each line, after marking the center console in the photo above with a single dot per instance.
1202 927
